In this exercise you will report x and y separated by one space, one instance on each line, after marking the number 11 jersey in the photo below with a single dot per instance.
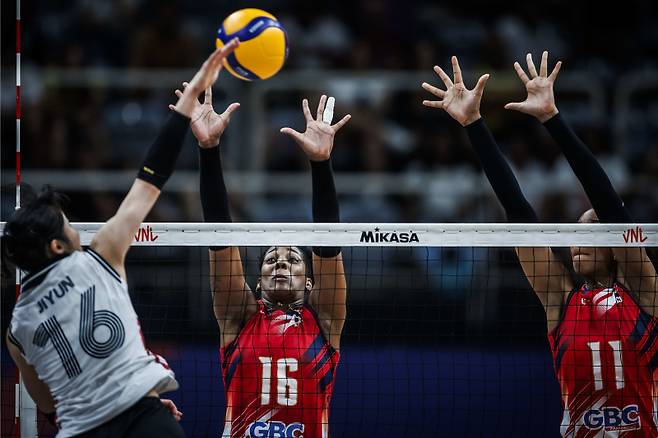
606 358
74 322
278 376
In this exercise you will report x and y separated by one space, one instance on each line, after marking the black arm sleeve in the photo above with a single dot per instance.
325 201
214 197
504 183
606 202
161 158
500 175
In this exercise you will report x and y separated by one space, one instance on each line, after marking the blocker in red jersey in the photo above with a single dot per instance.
279 343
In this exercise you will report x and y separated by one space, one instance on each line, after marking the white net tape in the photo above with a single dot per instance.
387 234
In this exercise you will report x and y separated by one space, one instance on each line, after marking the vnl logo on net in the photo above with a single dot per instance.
634 235
145 234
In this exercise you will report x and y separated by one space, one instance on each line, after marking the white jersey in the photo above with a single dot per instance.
75 323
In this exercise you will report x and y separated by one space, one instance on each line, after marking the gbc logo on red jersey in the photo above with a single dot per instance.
275 429
613 419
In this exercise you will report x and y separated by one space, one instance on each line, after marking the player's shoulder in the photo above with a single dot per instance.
99 262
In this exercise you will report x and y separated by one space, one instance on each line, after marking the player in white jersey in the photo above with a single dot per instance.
74 333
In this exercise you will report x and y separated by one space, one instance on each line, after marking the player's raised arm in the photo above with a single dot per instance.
544 272
635 265
329 295
114 238
233 301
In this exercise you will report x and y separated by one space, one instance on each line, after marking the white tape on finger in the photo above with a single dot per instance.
328 114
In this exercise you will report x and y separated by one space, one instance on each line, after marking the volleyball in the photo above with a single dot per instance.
263 44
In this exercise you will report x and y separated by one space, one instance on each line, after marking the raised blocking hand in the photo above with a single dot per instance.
540 102
318 139
459 102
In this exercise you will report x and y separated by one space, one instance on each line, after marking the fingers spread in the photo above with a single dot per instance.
531 66
519 71
298 136
433 103
514 106
543 66
555 71
444 77
178 93
342 122
456 71
323 101
432 89
479 87
232 107
307 110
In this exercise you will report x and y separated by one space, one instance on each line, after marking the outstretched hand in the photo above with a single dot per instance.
460 103
207 126
318 139
204 78
540 102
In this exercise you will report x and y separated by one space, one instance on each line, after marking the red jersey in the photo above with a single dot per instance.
606 355
278 376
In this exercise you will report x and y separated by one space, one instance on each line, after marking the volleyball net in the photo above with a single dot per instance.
443 334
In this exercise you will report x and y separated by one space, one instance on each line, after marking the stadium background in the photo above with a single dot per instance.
96 80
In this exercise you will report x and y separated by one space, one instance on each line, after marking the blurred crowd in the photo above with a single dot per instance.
97 128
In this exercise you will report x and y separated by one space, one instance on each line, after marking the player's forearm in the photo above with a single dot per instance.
606 202
39 391
214 196
499 174
44 402
161 158
113 240
325 201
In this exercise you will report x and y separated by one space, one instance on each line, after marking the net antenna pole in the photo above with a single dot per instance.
26 410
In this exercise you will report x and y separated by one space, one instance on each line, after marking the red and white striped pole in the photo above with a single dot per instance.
18 387
18 417
26 412
18 104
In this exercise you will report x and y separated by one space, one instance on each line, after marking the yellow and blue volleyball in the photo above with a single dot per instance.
263 44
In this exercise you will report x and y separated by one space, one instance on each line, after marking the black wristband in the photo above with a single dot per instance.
325 202
161 157
499 173
606 201
214 197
